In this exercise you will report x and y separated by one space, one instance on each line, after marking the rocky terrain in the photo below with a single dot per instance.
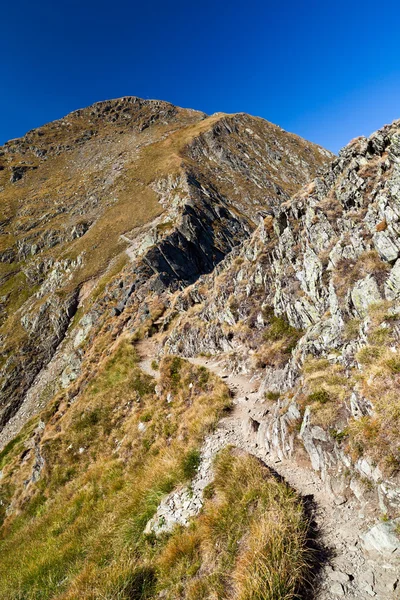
174 188
225 243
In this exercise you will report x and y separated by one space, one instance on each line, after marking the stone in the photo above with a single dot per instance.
386 246
392 284
340 500
368 577
337 589
71 371
368 588
384 540
365 292
339 576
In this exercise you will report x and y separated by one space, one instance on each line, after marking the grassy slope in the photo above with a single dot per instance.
78 531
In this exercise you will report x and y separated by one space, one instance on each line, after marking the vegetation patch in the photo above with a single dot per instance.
321 396
250 542
279 340
78 532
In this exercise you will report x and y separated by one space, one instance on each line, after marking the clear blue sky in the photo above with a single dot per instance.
328 71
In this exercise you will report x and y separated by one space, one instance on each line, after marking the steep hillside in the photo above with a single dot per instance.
311 301
200 360
109 214
308 310
142 188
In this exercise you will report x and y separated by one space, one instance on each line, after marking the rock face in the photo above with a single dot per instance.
309 305
171 188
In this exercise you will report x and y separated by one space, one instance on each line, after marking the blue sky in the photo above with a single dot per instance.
328 71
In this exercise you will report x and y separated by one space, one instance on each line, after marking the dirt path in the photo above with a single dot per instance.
349 573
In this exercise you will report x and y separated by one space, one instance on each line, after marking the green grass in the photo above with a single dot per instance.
190 463
79 531
86 515
321 396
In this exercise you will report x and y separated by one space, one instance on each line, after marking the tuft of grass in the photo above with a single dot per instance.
273 396
190 463
321 396
393 364
280 339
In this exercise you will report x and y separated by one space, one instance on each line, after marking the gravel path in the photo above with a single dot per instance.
347 572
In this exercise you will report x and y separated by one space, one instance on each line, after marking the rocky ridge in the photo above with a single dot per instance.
167 191
308 308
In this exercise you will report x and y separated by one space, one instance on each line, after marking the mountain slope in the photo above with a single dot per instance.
204 293
308 310
109 214
169 191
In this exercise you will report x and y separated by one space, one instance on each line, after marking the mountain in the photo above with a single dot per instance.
133 182
200 359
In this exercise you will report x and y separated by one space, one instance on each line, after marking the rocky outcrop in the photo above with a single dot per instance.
324 263
204 181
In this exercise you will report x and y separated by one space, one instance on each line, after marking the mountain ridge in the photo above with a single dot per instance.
219 283
100 208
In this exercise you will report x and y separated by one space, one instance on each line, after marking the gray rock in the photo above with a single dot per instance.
365 293
383 539
339 576
386 246
392 285
337 589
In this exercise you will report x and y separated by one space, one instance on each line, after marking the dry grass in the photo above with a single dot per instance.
82 523
279 339
328 386
110 457
347 272
378 435
249 543
375 378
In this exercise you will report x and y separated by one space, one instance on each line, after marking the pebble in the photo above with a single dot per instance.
339 500
337 589
338 576
369 590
